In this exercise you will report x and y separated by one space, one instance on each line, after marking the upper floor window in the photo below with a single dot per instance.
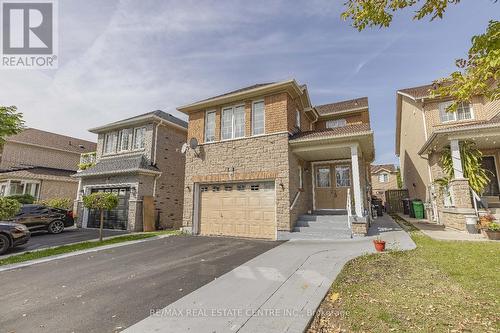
110 141
125 140
139 137
336 123
383 177
210 126
464 112
297 118
258 118
233 122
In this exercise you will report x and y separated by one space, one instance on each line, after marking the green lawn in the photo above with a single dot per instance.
442 286
80 246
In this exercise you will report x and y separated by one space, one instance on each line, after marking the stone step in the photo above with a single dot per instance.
325 218
322 224
330 212
321 228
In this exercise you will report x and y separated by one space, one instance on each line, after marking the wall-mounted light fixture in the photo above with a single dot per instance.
282 186
133 191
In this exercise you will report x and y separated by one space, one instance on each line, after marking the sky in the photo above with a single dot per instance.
122 58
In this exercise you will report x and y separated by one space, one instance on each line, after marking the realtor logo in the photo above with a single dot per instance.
28 34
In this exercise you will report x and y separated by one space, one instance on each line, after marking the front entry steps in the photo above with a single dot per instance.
318 227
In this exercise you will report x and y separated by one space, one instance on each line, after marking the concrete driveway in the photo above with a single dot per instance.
109 290
42 239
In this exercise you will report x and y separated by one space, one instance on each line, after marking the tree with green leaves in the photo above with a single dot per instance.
476 75
8 208
101 201
398 178
471 166
11 122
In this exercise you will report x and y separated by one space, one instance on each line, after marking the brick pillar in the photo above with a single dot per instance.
460 192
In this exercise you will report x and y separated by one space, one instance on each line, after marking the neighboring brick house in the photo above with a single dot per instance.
136 158
266 155
40 163
424 129
384 178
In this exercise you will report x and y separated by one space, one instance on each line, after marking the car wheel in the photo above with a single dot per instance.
4 243
56 227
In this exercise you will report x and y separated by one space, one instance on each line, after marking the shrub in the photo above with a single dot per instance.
494 226
8 208
61 203
24 199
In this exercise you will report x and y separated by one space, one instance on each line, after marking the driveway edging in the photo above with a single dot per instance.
75 253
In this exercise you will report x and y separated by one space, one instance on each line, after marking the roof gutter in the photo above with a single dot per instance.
119 124
322 138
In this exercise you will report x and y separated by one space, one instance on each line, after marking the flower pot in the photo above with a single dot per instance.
495 235
379 245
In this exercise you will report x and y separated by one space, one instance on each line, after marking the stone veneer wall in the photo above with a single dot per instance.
170 185
257 158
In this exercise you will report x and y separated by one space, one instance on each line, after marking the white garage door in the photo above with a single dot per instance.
240 209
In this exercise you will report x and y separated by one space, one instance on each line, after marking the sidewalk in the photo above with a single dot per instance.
278 291
440 232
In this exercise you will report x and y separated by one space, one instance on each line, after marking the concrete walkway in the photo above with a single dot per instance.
278 291
440 232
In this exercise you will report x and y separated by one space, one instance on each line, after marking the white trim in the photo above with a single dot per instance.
253 118
123 123
156 143
456 159
343 111
356 183
321 138
406 95
233 122
207 112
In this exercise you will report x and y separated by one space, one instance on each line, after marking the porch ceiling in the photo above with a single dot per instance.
333 148
484 138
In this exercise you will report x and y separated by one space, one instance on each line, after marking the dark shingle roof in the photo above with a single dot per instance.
40 171
33 136
257 85
338 131
377 167
351 104
118 164
157 113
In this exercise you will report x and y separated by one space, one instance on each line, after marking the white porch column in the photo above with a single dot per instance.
356 184
456 159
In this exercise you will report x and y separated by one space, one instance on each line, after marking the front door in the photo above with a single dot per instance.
489 164
331 183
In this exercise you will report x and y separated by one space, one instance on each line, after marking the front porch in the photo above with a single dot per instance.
457 201
338 168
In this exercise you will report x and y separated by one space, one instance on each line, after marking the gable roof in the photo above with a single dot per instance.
343 106
375 168
36 137
249 92
148 116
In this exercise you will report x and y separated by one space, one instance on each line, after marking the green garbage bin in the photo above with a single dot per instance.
418 208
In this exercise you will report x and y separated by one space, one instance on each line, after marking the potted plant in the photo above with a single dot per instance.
379 244
484 222
493 231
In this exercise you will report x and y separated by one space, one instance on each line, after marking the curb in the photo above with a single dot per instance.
76 253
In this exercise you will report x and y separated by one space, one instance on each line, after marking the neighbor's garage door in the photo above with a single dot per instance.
113 219
241 209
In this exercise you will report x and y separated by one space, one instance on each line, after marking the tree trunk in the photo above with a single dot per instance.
101 225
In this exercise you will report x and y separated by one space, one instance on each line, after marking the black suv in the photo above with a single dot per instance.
39 217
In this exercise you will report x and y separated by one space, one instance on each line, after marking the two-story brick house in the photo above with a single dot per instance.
425 129
136 158
41 163
266 156
384 177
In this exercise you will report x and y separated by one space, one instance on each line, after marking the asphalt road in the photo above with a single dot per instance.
42 239
109 290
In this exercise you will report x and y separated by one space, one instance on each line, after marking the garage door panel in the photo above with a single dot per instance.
236 210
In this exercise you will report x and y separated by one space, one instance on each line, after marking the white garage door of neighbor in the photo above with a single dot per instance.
240 209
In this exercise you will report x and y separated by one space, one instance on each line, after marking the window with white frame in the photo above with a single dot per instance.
20 187
297 118
210 126
125 140
3 189
258 118
336 123
464 112
301 181
233 122
343 176
110 141
139 137
383 177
